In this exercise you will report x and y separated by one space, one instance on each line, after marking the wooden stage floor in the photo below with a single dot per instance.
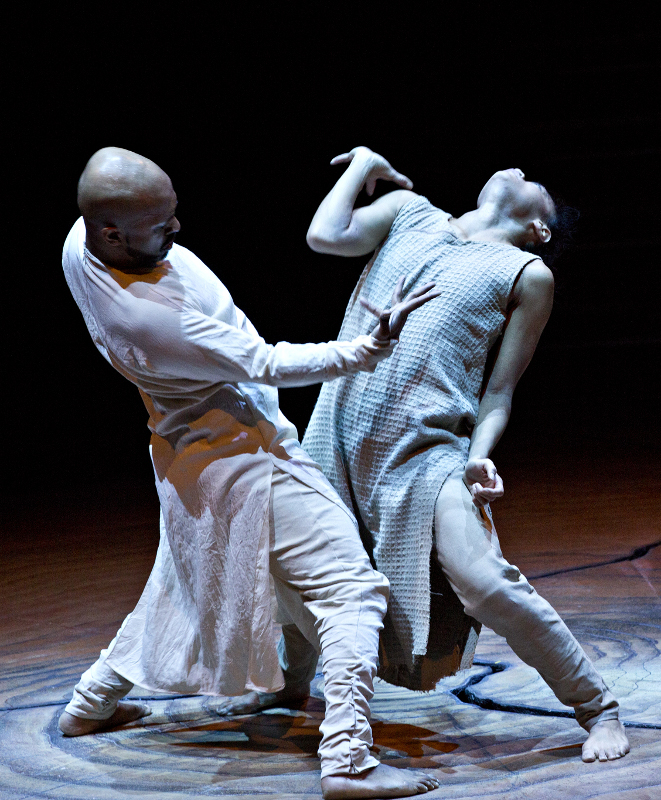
73 568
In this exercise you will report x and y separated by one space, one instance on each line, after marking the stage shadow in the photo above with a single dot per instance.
295 732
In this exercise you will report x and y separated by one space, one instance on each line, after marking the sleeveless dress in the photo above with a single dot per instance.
387 441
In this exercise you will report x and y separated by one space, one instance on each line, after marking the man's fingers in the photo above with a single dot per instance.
397 293
391 321
414 299
370 307
385 326
416 302
421 290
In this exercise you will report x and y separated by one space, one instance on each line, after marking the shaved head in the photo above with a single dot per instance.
117 184
128 205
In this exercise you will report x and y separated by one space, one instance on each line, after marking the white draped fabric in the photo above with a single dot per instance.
203 623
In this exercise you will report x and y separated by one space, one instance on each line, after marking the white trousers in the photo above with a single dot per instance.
495 593
333 599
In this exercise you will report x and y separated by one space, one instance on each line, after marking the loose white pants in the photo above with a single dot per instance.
328 591
495 593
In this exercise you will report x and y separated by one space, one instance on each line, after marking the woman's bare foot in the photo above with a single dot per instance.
126 712
607 741
254 702
382 781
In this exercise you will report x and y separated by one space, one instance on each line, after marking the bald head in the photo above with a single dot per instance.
117 183
128 205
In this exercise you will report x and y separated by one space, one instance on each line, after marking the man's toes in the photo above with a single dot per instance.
427 784
589 755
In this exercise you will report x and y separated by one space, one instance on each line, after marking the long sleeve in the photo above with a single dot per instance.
185 344
176 331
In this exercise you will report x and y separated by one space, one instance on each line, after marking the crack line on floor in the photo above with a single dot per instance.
464 694
636 553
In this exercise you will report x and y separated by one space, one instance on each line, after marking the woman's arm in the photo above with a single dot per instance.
532 301
337 227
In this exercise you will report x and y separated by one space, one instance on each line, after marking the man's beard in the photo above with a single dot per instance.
146 261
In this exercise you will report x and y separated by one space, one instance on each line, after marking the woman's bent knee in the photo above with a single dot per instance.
507 597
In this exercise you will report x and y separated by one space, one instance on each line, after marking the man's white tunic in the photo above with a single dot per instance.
203 623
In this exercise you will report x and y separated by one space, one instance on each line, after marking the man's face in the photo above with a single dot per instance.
516 196
149 235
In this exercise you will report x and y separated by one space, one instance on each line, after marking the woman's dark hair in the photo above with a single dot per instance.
562 225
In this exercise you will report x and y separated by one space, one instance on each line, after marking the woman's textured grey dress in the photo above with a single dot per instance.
388 440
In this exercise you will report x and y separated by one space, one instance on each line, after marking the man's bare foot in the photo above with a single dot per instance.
254 702
607 741
126 712
382 781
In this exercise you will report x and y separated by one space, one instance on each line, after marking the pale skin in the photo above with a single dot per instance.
128 204
509 210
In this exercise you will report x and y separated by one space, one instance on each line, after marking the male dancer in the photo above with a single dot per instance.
409 447
239 497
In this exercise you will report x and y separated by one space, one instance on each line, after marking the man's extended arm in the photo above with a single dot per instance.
165 341
533 297
340 229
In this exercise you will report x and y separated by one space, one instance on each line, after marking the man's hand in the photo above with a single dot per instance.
483 481
391 320
378 167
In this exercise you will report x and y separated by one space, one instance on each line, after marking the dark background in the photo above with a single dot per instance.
245 113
